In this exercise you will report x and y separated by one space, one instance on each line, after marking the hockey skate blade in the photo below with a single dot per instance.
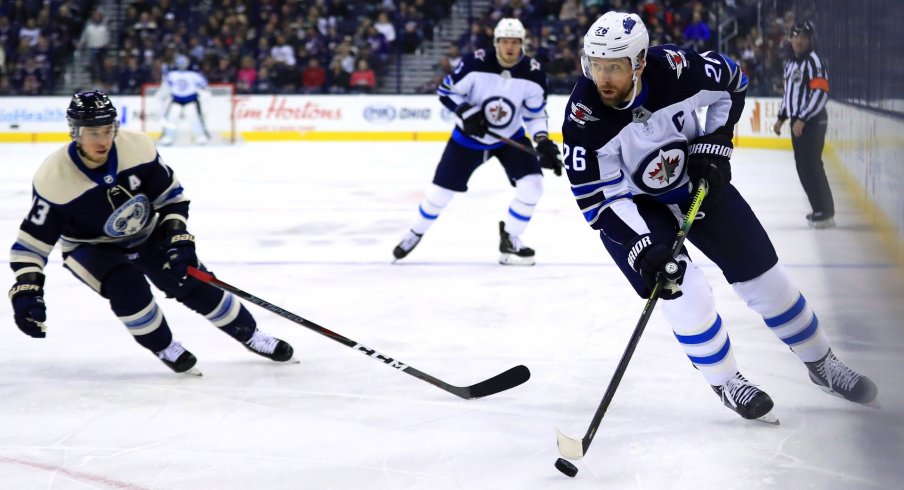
511 259
569 448
769 418
193 372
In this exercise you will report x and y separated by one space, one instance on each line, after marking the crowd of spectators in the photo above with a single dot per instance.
37 39
556 29
343 46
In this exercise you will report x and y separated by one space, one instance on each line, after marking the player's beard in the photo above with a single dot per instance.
618 97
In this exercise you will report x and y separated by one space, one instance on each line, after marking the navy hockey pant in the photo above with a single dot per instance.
728 233
459 162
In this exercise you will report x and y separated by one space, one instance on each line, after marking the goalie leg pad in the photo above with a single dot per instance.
528 190
698 327
786 312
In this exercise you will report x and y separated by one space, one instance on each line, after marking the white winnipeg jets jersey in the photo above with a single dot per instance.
614 155
511 98
184 85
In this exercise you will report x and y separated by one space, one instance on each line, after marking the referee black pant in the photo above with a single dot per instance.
808 157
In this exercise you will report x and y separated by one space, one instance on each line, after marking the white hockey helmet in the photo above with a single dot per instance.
509 28
616 35
181 62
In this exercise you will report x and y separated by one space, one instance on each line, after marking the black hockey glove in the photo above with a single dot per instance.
180 248
549 155
29 310
709 159
651 260
471 120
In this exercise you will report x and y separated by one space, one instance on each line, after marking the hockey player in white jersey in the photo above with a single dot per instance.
499 91
182 92
120 215
634 148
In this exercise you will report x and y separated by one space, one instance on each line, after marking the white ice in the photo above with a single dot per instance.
310 227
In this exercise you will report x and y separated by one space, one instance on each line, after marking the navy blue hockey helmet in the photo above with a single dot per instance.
92 108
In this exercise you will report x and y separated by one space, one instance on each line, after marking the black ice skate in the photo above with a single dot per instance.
409 241
746 399
834 377
820 220
513 251
270 347
178 359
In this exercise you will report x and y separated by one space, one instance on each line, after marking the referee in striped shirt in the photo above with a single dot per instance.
804 102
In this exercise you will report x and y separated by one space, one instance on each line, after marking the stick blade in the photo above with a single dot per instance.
569 448
503 381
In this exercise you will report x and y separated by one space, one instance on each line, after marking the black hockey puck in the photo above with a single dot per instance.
566 467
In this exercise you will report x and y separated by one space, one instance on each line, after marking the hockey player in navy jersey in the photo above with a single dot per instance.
182 90
120 216
499 91
634 148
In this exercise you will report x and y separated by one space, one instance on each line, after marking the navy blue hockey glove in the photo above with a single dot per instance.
709 159
549 155
180 248
471 120
651 260
29 310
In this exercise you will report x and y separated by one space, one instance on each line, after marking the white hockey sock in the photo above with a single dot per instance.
786 312
435 199
528 190
698 328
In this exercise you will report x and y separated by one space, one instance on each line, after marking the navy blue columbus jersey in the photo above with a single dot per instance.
614 155
511 98
117 204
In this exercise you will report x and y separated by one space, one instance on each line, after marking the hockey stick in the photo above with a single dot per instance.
577 448
514 144
501 382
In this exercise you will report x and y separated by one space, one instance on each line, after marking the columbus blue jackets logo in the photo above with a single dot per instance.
498 111
130 218
662 169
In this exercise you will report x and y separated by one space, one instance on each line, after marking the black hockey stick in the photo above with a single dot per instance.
514 144
577 448
501 382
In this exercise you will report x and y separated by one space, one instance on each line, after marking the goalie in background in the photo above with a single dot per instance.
182 92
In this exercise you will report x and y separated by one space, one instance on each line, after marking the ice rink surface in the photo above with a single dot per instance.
310 227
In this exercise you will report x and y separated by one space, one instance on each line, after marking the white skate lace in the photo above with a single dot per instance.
516 243
172 352
740 391
261 342
837 374
409 241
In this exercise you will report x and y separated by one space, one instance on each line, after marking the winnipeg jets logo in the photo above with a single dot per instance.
480 54
664 169
534 65
581 114
498 112
676 60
